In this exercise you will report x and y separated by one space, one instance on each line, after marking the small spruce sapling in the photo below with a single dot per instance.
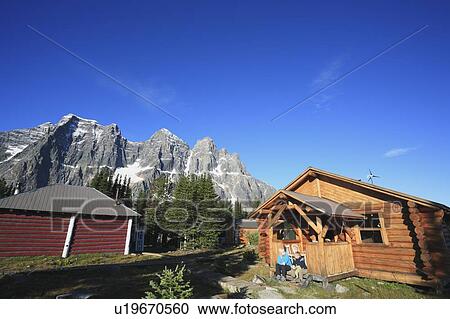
171 285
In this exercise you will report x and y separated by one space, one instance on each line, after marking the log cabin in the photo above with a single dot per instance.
347 227
244 227
60 220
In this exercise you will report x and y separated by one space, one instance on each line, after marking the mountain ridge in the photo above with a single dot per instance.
75 148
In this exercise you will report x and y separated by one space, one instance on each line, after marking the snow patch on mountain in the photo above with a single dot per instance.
132 171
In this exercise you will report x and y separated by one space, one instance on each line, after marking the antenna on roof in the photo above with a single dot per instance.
371 176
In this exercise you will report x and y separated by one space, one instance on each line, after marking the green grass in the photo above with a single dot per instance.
120 277
33 263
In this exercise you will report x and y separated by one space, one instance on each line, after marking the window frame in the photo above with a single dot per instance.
381 229
292 228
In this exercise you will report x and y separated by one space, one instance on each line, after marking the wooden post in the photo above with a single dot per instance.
319 225
324 231
128 238
323 265
271 247
69 234
357 234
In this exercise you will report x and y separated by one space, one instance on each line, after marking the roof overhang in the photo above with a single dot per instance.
317 205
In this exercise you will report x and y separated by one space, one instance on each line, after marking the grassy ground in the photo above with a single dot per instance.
103 275
34 263
118 276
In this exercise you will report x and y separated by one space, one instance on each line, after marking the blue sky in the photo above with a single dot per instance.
226 68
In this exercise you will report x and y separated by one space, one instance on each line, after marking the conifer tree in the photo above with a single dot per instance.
183 190
198 192
238 212
127 193
206 188
103 182
115 186
160 188
141 203
5 189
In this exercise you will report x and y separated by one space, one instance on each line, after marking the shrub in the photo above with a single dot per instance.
252 238
250 256
172 285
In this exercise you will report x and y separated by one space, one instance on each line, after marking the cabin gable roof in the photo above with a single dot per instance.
90 201
312 173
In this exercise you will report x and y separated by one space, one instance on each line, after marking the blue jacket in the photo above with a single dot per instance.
284 260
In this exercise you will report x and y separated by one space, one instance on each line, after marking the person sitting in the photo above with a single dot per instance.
299 266
283 265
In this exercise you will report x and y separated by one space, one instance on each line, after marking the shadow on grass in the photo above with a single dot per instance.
124 280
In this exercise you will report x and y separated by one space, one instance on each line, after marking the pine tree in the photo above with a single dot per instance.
5 189
206 188
128 200
238 212
141 203
183 189
255 203
102 181
95 181
160 188
172 285
115 186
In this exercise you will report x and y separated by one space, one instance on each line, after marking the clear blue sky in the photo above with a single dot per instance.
227 68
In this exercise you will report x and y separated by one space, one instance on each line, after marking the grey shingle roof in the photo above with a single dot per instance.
61 198
247 223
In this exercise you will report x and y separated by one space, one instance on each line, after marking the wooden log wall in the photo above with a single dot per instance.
416 253
430 232
99 235
243 234
264 238
400 259
23 234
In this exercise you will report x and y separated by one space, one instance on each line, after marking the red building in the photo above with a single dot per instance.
62 220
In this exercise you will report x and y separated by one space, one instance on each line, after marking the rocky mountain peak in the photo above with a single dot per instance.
205 144
75 118
74 149
164 134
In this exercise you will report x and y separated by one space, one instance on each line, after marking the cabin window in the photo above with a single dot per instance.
286 231
371 230
371 237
